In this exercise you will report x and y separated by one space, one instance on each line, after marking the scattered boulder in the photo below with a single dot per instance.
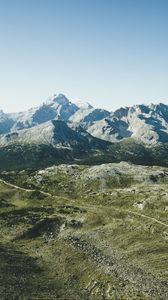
140 205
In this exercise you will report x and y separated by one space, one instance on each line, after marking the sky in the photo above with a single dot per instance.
110 53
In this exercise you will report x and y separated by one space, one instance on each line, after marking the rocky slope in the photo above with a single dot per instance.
56 133
145 123
78 131
84 232
55 107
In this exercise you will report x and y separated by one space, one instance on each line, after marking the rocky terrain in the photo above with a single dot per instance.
145 123
75 231
84 202
64 131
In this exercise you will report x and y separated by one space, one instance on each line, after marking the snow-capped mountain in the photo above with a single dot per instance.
55 133
81 104
89 115
6 122
145 123
55 107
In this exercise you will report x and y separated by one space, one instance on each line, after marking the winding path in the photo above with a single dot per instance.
50 195
23 189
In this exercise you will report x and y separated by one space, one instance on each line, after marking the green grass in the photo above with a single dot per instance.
59 246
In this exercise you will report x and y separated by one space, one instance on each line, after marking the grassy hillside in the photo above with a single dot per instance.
82 232
34 156
17 156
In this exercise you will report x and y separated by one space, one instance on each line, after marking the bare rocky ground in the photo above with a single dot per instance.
80 232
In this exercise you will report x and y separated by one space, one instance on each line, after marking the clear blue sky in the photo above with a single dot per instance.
108 52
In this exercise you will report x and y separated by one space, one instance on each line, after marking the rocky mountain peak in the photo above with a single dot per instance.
60 99
145 123
81 104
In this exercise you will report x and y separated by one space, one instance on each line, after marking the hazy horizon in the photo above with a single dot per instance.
109 53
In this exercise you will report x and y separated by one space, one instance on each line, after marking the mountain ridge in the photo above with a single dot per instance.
146 123
67 132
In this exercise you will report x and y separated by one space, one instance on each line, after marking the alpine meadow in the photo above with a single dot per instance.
84 173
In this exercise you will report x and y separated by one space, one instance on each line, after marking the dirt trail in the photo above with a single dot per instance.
24 189
127 273
131 212
147 217
50 195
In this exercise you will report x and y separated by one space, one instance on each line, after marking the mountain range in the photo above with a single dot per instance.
78 128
